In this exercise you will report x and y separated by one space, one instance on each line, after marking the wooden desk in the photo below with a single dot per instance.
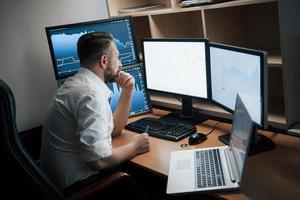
270 175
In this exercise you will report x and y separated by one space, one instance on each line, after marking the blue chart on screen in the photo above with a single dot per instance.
64 42
140 100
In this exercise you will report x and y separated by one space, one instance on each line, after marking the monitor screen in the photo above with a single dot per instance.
238 70
63 43
140 99
176 66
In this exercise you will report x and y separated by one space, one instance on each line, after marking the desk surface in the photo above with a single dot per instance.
273 174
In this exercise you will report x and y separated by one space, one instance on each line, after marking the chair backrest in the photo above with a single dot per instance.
20 174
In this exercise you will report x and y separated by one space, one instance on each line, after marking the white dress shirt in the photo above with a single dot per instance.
77 129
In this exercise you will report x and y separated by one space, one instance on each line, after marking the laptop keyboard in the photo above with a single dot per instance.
209 172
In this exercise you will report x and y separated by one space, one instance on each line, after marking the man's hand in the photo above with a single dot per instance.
125 81
140 143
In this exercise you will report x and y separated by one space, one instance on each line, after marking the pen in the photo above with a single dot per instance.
146 130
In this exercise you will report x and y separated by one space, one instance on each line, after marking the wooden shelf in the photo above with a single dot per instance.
154 11
254 24
275 117
173 7
114 6
167 26
202 107
274 61
236 3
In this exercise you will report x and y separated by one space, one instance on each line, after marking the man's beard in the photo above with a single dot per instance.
108 76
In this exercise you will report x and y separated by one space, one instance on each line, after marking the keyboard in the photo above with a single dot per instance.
208 169
161 128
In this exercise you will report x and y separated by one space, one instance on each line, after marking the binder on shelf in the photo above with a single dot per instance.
140 8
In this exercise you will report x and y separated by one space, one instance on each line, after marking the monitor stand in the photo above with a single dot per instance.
259 142
186 114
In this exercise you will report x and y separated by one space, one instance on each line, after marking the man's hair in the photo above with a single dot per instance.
91 46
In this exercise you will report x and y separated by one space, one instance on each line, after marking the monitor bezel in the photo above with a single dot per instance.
180 40
51 28
264 79
150 110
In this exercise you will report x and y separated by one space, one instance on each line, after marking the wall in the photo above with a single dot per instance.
25 62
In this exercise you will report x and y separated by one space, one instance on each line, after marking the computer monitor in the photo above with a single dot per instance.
63 43
178 67
236 70
140 103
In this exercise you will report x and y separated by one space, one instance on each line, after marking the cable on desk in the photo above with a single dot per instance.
214 128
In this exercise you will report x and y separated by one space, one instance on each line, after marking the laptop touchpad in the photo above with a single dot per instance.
183 164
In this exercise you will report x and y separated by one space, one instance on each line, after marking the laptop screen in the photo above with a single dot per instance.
140 103
240 136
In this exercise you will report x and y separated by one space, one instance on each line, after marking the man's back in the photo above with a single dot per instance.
77 129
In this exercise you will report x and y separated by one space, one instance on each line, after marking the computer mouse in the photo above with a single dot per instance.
197 138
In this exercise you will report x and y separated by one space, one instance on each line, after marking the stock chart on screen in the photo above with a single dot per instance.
63 43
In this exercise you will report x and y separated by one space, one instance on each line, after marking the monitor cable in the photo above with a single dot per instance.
214 128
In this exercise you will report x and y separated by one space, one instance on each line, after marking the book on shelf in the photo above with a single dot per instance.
140 8
191 3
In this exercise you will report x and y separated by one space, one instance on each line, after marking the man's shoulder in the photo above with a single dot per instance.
76 87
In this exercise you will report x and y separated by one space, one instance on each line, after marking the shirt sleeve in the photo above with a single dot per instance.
93 133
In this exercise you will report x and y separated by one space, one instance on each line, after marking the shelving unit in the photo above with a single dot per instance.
252 24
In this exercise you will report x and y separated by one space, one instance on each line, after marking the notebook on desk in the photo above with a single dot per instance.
217 168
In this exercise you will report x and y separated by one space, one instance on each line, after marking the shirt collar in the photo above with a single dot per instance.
96 80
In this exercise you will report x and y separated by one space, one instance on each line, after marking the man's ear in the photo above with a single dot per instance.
103 61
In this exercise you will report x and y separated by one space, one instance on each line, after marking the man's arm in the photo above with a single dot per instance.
138 145
126 82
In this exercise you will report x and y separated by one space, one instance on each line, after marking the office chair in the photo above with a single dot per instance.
21 176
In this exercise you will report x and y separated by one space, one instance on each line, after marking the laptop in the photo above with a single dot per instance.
216 168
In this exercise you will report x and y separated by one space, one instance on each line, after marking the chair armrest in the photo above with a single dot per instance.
99 185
